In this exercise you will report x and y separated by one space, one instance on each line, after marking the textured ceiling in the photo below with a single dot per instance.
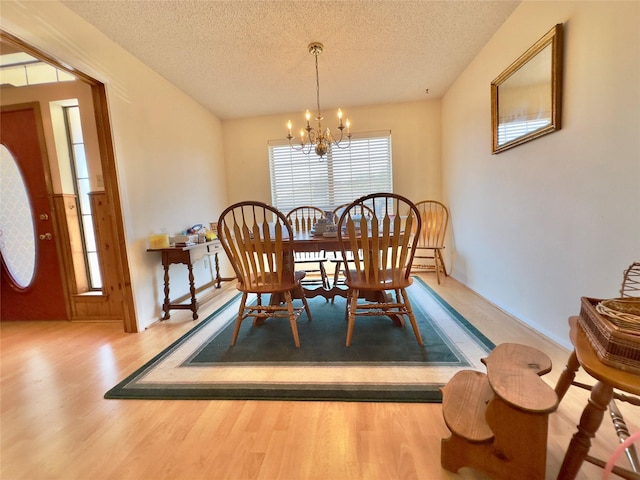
248 58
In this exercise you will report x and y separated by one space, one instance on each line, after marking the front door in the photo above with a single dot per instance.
31 287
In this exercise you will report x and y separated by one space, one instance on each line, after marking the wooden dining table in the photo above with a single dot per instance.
307 242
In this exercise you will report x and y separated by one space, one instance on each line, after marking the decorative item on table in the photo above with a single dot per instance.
623 312
331 230
615 335
210 236
199 230
356 223
319 228
158 241
184 240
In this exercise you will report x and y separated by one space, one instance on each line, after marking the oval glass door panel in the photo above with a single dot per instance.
17 233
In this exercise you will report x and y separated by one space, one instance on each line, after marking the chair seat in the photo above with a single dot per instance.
385 281
263 283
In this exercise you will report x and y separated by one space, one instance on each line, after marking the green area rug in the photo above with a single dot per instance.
384 362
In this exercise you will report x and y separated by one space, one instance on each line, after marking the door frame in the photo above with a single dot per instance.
109 172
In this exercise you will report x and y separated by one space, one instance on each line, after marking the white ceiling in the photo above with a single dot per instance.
248 58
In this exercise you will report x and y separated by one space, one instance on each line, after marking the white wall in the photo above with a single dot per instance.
415 132
168 148
540 225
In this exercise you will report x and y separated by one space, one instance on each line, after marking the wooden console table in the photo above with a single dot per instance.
607 379
188 256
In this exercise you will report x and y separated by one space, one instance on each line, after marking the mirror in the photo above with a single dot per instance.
526 99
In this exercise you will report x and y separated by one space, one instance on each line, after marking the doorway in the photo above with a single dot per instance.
112 250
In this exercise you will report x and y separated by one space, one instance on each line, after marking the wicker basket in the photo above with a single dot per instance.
623 312
616 346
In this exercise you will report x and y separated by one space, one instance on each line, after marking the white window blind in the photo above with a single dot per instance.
340 177
511 130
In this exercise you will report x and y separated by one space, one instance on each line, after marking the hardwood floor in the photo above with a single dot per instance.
55 423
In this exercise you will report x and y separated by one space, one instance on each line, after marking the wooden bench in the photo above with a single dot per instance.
499 420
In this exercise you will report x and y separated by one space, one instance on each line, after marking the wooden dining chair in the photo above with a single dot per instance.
380 252
258 240
302 220
338 272
435 219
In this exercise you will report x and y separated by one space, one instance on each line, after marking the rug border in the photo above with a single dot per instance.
421 394
463 321
165 351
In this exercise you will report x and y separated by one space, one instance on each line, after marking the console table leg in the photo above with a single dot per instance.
218 277
167 303
192 289
590 421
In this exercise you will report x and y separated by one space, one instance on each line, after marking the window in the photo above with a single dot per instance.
82 186
20 69
340 177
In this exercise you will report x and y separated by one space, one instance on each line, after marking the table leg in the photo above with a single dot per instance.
192 289
590 421
218 277
167 303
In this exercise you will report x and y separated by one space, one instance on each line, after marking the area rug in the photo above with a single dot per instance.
383 363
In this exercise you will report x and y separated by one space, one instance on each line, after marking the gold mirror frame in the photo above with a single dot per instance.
526 99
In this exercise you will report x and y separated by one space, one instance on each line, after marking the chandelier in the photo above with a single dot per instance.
318 139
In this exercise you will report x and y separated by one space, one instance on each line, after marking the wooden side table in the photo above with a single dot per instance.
607 378
187 256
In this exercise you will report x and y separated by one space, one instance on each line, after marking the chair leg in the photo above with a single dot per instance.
412 317
352 301
323 275
304 302
292 318
336 276
236 328
444 267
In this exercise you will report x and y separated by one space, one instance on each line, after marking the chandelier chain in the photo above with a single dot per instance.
317 86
